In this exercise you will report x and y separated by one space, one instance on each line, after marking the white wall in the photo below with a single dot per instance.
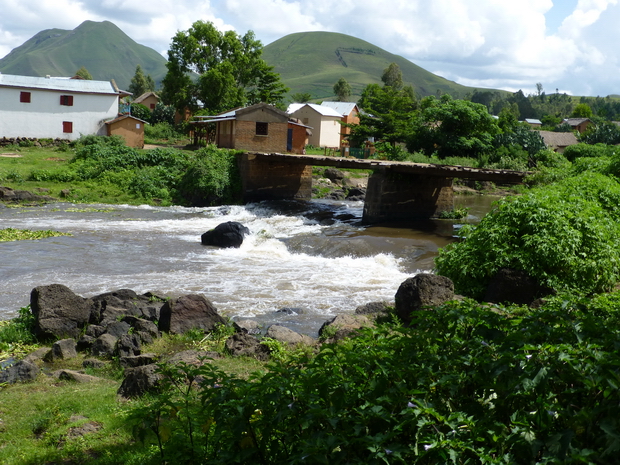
325 129
43 117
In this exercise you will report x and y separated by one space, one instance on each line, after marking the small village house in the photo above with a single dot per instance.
148 99
349 115
578 124
258 128
55 108
324 121
558 141
130 128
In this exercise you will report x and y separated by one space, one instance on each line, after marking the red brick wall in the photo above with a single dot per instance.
246 138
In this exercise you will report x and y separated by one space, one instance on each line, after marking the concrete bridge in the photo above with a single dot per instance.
397 191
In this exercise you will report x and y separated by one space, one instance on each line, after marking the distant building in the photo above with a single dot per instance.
349 115
51 108
148 99
535 123
578 124
324 121
558 141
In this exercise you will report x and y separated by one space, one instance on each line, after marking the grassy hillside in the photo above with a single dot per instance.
102 48
314 61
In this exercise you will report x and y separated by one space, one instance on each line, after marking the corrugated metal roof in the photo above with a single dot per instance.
324 111
57 83
344 108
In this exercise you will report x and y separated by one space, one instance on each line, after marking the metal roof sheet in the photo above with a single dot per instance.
344 108
323 111
58 83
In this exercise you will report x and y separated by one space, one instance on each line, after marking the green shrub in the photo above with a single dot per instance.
572 152
213 178
567 236
461 385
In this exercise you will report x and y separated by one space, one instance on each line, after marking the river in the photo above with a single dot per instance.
314 257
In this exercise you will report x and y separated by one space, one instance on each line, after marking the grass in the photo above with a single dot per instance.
36 419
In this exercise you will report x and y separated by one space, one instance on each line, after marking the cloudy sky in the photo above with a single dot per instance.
569 45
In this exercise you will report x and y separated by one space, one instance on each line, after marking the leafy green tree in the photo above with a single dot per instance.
450 127
140 111
221 70
392 76
342 90
140 83
603 133
388 115
582 110
162 114
301 97
84 74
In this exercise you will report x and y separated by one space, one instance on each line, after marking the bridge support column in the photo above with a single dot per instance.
400 197
273 180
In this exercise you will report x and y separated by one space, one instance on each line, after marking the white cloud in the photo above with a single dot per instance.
503 43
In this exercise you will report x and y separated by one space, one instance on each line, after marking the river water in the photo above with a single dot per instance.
314 257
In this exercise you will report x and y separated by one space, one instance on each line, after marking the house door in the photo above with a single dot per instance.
289 140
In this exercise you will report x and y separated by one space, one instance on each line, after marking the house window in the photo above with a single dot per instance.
24 97
152 106
67 127
66 100
262 129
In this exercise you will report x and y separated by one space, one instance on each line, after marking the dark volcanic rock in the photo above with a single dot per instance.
288 336
58 311
245 344
514 286
140 380
229 234
62 350
188 312
21 371
422 290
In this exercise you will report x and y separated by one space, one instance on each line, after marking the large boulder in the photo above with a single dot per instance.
288 336
423 290
229 234
342 326
514 286
64 349
188 312
58 312
243 344
114 305
140 380
19 372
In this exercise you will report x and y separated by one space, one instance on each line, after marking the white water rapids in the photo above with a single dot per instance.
314 257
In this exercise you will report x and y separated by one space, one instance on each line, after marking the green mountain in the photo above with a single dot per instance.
313 62
101 47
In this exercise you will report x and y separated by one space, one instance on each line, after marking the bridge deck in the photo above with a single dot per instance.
429 169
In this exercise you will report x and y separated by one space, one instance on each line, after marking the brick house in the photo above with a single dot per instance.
257 128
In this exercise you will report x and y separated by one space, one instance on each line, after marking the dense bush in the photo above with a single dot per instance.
572 152
462 385
566 235
212 179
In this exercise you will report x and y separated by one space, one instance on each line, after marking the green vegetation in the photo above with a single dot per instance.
104 170
10 234
229 67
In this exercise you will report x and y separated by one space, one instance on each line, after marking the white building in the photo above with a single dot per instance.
48 107
325 122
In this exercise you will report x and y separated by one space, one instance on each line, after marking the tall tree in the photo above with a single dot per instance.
140 83
84 74
392 76
342 90
220 69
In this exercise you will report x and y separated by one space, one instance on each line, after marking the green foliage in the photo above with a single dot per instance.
84 74
582 110
602 133
230 69
18 330
567 236
141 84
162 114
301 97
452 127
342 90
140 111
464 384
10 234
572 152
162 132
213 178
455 214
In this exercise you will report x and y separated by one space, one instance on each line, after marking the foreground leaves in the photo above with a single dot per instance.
464 384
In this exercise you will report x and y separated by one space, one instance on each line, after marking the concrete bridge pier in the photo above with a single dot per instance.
274 179
393 196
